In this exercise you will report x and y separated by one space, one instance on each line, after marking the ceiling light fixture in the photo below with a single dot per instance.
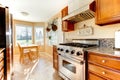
24 13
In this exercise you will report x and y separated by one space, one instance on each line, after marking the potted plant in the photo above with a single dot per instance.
49 37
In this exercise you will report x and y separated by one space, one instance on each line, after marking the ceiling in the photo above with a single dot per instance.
38 10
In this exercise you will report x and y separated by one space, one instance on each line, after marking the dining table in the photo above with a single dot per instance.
30 47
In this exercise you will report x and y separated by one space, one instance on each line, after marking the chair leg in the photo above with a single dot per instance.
37 55
21 59
29 56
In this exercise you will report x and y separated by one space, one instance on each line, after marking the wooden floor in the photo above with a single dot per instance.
41 69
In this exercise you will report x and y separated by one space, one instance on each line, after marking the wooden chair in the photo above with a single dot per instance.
35 52
24 54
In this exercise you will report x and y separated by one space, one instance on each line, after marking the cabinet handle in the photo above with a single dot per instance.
103 72
103 61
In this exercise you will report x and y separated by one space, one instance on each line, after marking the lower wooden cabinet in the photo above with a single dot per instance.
55 58
95 77
102 67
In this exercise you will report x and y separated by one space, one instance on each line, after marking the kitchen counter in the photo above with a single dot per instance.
1 49
105 51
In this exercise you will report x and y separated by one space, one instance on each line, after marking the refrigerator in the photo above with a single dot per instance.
6 41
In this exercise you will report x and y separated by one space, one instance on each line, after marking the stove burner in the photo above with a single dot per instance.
79 45
75 50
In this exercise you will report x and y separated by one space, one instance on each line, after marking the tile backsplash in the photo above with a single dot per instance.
107 42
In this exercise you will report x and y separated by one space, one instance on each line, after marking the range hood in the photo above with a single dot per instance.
80 14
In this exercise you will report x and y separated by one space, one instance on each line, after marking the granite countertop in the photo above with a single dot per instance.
1 49
106 51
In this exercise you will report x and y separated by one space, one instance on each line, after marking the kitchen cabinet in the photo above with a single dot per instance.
64 11
55 58
107 11
93 76
66 25
103 67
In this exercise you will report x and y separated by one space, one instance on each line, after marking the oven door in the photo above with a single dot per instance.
72 69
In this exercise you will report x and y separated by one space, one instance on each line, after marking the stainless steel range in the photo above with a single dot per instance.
72 58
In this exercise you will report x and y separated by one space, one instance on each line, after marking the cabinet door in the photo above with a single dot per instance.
64 25
67 26
64 11
107 11
55 58
104 72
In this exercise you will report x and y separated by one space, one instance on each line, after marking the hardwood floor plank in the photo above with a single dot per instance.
42 71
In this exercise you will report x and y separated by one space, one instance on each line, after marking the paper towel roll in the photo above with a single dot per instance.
117 39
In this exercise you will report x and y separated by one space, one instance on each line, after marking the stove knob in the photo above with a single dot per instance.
58 49
73 51
61 49
78 53
67 51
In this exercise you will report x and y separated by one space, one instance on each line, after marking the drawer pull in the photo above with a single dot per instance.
103 61
103 73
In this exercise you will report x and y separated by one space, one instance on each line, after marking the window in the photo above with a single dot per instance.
39 35
52 36
23 34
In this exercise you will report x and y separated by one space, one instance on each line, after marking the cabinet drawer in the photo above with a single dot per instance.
95 77
110 62
104 72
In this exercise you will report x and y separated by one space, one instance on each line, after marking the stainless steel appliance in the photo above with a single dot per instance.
72 59
6 41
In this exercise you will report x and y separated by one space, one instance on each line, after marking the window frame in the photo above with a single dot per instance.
33 32
43 34
23 25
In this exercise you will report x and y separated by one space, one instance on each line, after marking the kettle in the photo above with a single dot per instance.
117 39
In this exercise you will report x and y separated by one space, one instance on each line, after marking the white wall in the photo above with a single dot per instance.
59 33
106 31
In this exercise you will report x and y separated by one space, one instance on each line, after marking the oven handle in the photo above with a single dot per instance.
78 61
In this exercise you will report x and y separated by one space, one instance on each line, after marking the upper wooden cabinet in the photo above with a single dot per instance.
64 11
107 11
66 25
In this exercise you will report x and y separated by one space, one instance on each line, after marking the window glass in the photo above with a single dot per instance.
39 35
52 36
23 34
